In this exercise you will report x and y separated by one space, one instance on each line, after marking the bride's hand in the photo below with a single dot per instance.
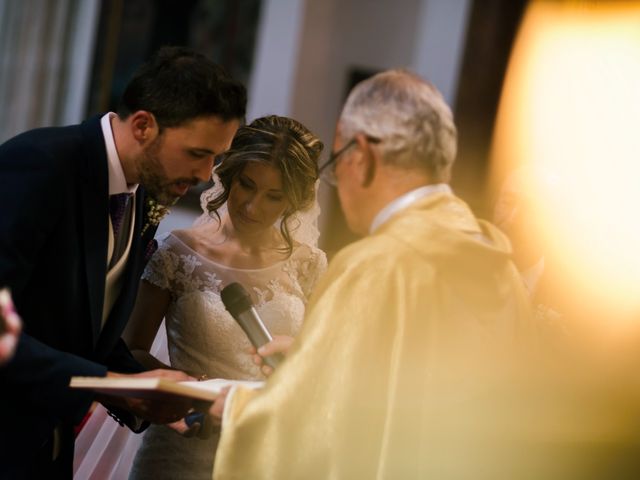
280 344
183 428
217 409
194 424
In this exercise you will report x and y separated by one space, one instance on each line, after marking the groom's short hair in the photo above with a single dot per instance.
178 85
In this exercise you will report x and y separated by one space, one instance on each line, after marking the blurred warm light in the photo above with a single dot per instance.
570 114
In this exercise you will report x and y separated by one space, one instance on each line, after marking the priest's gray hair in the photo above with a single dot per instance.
409 116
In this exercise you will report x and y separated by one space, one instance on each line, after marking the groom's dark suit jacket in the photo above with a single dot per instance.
53 255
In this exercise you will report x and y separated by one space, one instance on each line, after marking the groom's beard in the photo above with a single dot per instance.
154 178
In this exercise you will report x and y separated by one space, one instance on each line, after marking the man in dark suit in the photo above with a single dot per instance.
78 212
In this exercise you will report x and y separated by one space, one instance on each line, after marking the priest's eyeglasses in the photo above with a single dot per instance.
327 171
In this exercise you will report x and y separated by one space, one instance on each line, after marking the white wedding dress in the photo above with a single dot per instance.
203 338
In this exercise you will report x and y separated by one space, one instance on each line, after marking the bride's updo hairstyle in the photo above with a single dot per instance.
283 143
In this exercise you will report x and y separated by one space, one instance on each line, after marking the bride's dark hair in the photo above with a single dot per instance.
283 143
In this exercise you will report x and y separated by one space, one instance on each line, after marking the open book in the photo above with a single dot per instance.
158 388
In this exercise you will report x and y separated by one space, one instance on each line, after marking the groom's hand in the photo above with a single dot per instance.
153 410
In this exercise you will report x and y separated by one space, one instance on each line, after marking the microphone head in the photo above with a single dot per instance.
235 298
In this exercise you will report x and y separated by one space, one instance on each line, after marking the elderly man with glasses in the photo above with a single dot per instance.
405 324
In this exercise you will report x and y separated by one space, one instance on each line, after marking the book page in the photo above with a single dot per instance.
217 384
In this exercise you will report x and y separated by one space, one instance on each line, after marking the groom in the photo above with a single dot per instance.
76 230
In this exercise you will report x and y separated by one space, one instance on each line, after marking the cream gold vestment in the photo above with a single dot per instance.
405 323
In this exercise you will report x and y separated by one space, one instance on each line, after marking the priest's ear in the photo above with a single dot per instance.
369 159
144 126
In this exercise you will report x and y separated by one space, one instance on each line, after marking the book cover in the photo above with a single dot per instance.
158 388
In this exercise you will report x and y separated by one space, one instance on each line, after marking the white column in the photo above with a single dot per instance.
277 43
80 61
46 54
440 43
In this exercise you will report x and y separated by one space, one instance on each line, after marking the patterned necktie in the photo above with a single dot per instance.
117 208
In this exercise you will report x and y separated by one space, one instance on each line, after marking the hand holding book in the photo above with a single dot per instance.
163 396
154 410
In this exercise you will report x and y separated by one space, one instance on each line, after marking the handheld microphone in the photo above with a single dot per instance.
237 301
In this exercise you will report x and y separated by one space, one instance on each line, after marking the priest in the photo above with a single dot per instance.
407 325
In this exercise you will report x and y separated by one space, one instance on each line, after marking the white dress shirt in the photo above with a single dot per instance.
117 180
117 184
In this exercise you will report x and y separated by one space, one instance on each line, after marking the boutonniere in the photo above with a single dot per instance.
155 213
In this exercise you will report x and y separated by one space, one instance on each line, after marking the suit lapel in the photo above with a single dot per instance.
95 211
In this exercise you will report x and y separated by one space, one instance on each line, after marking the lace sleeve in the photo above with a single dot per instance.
162 266
312 265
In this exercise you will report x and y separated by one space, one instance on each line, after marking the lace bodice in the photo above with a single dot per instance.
202 336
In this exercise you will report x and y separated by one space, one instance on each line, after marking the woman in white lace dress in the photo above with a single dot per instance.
253 235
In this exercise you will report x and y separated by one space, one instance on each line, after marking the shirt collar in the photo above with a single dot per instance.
405 200
117 180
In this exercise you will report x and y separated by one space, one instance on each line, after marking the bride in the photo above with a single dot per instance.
258 229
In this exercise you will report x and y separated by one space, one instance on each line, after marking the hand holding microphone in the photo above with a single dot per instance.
237 301
279 345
